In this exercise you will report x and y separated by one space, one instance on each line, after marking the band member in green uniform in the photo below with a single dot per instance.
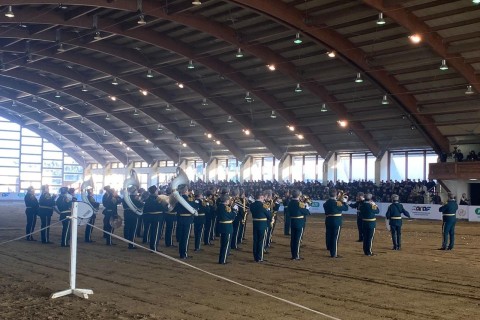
261 218
45 212
91 221
170 220
153 216
394 215
449 216
110 201
356 205
225 226
209 218
64 205
333 220
201 205
297 212
184 222
368 210
31 211
130 218
286 218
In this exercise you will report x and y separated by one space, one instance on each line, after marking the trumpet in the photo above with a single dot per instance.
342 196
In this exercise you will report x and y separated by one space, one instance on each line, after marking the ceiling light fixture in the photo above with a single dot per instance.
130 131
9 13
144 92
135 113
342 123
141 20
82 120
385 100
415 38
34 99
239 53
204 102
218 142
57 94
196 2
61 108
104 133
14 103
246 131
209 136
469 90
444 66
359 79
192 123
271 67
60 48
412 127
273 115
247 97
113 98
297 40
324 108
107 117
167 108
81 135
229 119
114 81
149 73
180 85
159 128
97 36
84 88
291 128
184 145
190 65
331 54
380 20
299 136
298 88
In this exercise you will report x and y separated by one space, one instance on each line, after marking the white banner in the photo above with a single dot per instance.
474 213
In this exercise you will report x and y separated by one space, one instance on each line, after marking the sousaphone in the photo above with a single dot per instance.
180 179
131 182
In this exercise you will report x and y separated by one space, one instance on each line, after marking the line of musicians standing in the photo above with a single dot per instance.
224 216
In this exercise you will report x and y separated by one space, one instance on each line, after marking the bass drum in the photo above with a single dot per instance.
84 212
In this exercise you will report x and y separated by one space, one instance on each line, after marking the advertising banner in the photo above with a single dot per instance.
474 213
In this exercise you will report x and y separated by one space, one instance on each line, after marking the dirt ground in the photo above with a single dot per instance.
419 282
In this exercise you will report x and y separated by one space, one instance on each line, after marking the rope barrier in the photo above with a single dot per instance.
34 232
218 276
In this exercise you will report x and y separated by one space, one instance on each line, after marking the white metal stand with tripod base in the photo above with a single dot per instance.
82 293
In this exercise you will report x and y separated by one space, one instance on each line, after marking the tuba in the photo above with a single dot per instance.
131 181
180 179
87 184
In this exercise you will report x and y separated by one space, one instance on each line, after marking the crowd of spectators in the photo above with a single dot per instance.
458 156
409 191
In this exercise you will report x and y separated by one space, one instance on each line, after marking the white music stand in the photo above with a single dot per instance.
82 293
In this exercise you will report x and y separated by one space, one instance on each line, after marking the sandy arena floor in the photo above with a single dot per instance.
418 282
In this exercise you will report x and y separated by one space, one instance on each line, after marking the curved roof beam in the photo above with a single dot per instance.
354 56
29 77
28 113
134 80
159 40
283 65
409 21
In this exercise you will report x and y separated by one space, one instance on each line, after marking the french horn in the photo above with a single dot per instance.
86 184
131 181
180 179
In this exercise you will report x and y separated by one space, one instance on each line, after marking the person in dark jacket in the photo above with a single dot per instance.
45 212
394 215
184 222
356 205
110 201
91 222
64 205
368 211
31 211
199 221
297 212
449 216
225 216
261 217
333 221
130 217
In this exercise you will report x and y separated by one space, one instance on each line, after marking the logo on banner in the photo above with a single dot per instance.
315 204
421 210
477 211
462 212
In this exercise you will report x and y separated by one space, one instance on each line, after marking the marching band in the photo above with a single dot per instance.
223 213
